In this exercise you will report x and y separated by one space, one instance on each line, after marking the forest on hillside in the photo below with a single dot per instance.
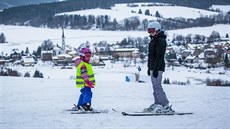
43 15
190 3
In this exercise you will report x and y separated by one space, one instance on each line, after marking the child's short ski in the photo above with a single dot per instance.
115 110
154 114
90 112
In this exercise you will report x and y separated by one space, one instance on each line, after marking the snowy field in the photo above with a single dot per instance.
30 103
23 36
121 11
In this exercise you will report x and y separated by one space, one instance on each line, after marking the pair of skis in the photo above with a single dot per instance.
81 111
129 113
151 113
154 114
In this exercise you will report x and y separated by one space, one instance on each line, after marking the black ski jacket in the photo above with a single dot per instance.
157 48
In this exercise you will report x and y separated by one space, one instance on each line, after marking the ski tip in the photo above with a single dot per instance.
124 113
114 110
184 113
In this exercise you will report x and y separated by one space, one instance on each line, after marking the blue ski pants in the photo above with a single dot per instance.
85 97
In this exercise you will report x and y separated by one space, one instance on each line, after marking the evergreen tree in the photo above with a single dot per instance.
114 24
157 14
167 82
27 50
226 61
139 12
37 74
147 12
98 22
2 38
38 53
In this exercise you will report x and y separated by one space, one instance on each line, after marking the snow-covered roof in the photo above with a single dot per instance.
65 55
72 52
46 52
135 51
209 49
126 49
54 57
56 48
190 57
28 59
186 50
201 55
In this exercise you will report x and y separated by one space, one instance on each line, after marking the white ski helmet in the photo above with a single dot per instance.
155 25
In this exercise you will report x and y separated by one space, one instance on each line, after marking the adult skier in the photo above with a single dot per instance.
156 67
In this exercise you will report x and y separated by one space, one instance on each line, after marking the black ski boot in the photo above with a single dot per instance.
87 107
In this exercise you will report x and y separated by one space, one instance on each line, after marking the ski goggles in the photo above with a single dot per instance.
151 30
88 54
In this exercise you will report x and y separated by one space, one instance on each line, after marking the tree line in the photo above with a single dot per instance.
104 22
43 13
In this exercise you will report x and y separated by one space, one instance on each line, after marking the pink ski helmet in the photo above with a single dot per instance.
84 50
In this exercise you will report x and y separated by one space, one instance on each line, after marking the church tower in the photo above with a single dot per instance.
63 40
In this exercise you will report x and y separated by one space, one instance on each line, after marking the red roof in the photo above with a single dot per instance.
227 52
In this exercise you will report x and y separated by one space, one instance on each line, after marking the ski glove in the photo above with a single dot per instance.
155 73
148 72
89 83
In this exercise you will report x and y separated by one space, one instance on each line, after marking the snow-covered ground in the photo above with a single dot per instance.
121 11
223 8
30 103
119 15
166 11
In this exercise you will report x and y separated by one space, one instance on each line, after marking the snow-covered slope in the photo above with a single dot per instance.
223 8
21 37
122 11
166 11
119 15
40 103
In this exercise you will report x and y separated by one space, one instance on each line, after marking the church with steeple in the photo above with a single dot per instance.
63 42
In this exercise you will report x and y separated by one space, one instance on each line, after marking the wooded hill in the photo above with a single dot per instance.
43 14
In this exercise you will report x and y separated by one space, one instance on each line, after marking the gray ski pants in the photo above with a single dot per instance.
158 92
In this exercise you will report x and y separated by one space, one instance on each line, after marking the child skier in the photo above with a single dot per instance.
84 80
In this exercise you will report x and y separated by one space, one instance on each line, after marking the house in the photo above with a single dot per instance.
46 55
201 56
126 53
64 58
227 53
72 53
185 53
2 62
191 59
227 59
56 51
198 50
15 55
27 61
210 56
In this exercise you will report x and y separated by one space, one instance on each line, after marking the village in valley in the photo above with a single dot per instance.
196 52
